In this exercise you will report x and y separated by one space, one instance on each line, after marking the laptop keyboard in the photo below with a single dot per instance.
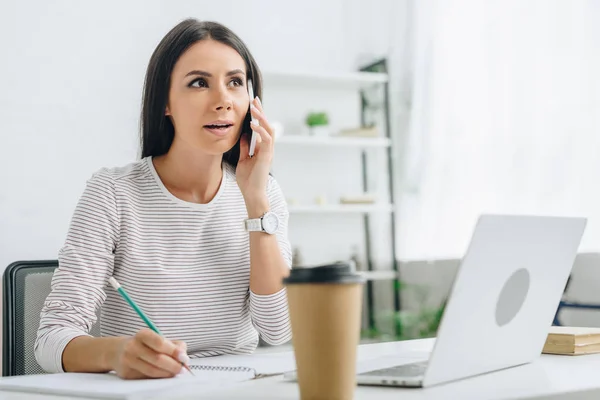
406 370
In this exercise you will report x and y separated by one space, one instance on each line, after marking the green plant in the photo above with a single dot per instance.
407 324
317 119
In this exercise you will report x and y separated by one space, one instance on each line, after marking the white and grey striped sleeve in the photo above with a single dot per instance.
85 264
270 312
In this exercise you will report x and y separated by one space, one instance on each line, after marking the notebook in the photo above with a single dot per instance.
570 340
258 365
211 374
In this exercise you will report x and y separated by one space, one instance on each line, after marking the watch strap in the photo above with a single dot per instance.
254 225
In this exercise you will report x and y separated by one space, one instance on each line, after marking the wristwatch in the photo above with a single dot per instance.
268 223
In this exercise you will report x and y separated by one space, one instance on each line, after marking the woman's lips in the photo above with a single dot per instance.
219 130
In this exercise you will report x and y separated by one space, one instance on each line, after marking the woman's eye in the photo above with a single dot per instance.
236 82
198 83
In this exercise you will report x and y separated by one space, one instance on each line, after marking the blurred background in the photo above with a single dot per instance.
398 123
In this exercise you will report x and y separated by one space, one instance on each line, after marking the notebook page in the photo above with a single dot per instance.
110 386
262 364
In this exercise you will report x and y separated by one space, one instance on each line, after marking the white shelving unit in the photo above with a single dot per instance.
298 85
340 208
379 275
356 80
344 141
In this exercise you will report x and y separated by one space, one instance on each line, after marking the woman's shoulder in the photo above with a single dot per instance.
131 171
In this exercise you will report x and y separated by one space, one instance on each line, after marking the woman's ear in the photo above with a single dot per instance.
167 112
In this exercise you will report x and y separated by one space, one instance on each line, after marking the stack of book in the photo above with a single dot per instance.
360 132
572 341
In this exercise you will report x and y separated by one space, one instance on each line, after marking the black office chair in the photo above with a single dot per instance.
573 305
586 264
26 284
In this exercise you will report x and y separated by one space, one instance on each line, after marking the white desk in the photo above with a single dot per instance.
550 377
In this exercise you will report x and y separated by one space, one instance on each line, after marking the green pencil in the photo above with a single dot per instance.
117 286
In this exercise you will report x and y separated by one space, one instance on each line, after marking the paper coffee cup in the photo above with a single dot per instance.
325 305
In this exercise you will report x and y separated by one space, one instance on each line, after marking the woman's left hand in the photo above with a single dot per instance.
252 173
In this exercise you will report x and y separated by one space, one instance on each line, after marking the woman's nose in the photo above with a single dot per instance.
223 100
227 104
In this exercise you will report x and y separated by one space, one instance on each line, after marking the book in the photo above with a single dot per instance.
364 198
211 374
359 132
570 340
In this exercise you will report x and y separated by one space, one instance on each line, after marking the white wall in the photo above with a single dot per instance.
70 87
71 78
505 119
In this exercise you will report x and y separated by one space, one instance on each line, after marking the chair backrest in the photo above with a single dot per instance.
581 297
26 284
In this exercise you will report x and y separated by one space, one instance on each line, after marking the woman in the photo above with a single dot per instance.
175 228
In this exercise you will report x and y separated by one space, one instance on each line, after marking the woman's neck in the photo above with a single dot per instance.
189 174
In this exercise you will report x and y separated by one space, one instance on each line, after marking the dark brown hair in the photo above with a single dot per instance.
156 130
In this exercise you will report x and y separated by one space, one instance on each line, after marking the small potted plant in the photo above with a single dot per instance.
318 123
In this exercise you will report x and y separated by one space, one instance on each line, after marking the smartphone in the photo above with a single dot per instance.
253 139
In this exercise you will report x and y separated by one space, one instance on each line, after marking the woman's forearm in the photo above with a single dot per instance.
91 354
267 266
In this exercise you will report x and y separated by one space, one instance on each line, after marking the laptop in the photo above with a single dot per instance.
502 302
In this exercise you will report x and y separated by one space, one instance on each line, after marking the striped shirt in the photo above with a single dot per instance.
187 265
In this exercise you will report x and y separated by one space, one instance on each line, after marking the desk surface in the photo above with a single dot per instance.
549 377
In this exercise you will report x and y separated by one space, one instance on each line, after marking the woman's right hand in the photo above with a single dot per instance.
149 355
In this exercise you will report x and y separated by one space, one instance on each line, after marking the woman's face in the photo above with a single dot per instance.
208 98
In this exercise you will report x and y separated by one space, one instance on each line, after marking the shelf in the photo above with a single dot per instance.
378 275
340 208
333 141
350 80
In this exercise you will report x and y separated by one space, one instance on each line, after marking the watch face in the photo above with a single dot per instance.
270 222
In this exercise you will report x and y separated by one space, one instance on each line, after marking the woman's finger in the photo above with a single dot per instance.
156 344
148 370
156 365
167 362
262 119
265 137
181 352
258 104
257 146
155 341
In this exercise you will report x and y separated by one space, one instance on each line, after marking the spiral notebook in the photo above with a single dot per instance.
258 365
211 374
